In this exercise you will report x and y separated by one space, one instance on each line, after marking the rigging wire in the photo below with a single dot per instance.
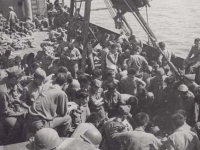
138 19
113 13
147 22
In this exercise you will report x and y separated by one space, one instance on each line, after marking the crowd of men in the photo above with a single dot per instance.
128 103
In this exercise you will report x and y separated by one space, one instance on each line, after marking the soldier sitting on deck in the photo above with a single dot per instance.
50 110
192 60
11 111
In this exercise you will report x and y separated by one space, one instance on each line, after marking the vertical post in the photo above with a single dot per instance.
85 32
70 16
28 9
72 8
63 3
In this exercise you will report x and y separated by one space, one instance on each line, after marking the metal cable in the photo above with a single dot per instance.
138 19
113 13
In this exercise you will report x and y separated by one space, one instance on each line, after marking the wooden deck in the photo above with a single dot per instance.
38 38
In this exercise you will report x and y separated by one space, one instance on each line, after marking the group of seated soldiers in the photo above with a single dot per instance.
129 102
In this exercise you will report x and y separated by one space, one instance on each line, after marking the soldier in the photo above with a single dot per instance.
185 101
112 58
33 90
103 53
138 139
170 94
156 86
4 59
110 79
70 58
138 62
111 99
12 19
167 53
135 42
116 125
192 60
54 106
48 138
9 105
96 98
182 138
82 111
130 84
94 122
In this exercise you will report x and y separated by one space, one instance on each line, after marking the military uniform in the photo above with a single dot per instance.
110 102
71 64
95 96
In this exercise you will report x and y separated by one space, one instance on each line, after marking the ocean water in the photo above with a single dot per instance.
175 22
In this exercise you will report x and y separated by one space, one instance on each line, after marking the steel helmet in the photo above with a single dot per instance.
92 136
75 85
183 88
46 139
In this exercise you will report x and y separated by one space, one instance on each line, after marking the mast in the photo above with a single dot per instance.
72 8
28 9
85 32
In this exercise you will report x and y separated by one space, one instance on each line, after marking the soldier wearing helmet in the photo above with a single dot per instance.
116 125
156 86
48 139
185 101
94 122
92 137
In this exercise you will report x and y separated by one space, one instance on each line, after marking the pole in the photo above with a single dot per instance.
85 32
28 9
71 8
63 3
71 14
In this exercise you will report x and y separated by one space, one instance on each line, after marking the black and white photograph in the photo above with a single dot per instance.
99 74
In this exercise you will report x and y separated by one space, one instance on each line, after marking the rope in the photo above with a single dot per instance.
147 21
80 4
97 9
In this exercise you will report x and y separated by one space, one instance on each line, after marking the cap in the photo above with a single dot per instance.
40 73
154 130
183 88
124 109
75 85
160 71
96 83
10 7
14 71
